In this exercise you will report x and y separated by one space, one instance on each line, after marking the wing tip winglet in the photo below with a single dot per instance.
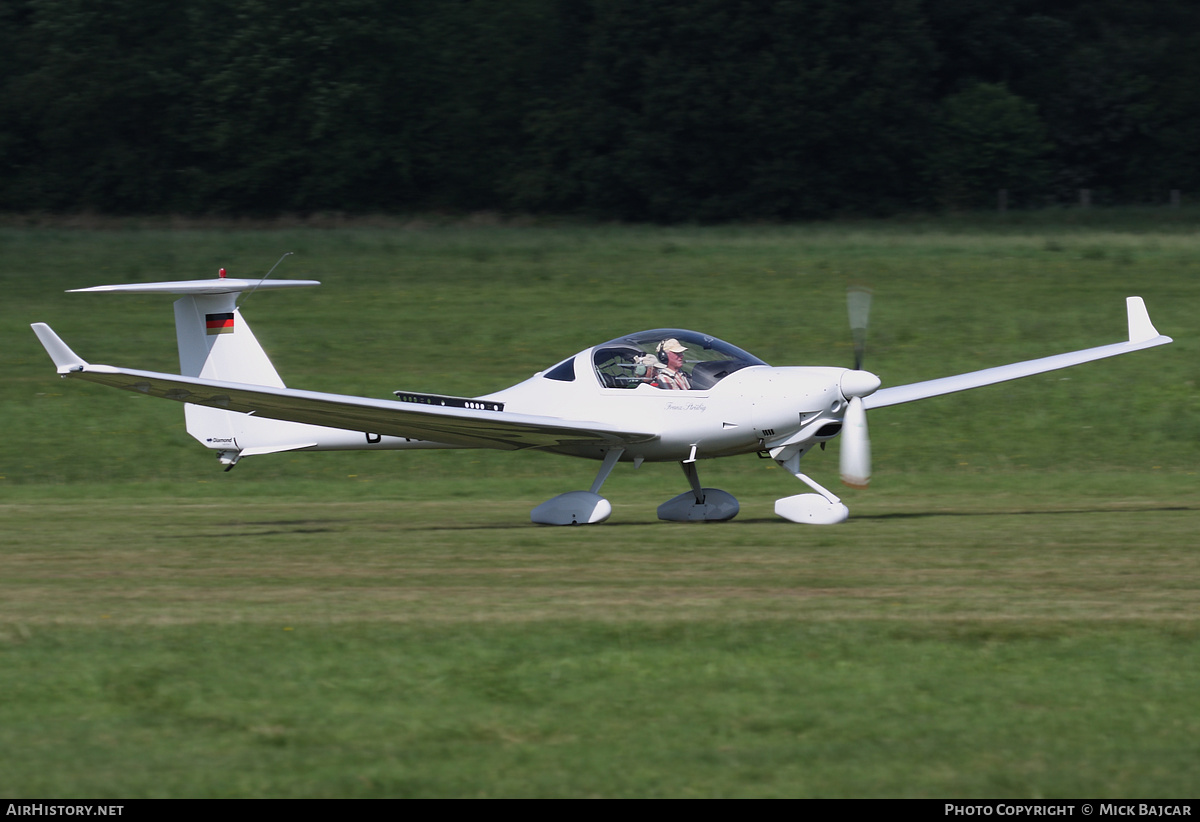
65 360
1141 329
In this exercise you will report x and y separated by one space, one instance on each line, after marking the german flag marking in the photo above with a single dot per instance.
219 323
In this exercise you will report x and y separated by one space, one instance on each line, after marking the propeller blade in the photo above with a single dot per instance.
855 455
858 303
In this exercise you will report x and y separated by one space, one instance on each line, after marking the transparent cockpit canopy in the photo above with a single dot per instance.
621 363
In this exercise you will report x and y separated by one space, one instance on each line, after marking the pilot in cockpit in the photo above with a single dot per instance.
671 352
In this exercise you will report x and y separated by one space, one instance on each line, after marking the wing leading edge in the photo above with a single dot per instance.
1142 334
469 428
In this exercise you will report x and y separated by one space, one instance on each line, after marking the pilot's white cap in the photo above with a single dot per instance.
672 345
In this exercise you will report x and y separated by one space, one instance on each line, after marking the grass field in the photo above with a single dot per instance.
1013 609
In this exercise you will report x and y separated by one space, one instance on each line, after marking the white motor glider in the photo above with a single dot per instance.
609 403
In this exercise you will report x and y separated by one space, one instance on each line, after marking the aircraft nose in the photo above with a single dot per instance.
859 384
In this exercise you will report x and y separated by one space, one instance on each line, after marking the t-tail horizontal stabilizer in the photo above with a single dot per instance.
218 285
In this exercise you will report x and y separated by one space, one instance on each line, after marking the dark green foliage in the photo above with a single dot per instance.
716 110
985 139
689 110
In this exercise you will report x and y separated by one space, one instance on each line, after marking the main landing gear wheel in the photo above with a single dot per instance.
572 508
580 507
699 504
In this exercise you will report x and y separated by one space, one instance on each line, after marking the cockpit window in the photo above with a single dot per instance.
634 360
563 372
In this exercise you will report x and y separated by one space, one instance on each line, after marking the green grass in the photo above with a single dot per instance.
581 709
982 645
1011 610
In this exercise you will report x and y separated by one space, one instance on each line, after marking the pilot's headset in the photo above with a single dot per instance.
661 352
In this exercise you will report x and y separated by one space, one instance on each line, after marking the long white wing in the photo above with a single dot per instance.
1142 334
472 428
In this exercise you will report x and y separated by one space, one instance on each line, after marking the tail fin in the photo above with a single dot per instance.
215 342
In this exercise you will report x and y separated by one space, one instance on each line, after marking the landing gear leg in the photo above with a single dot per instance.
693 477
821 508
610 461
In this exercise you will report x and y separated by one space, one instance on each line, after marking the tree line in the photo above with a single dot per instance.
672 110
